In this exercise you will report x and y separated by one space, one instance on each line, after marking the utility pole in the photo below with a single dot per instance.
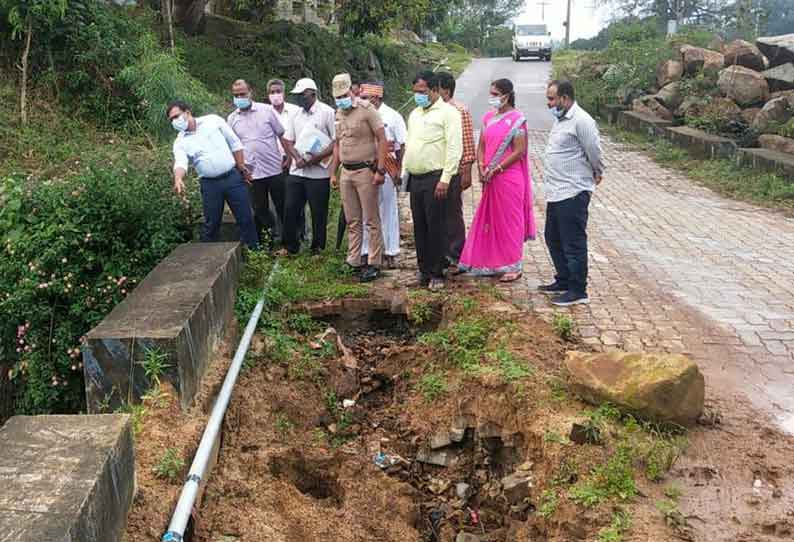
543 5
568 26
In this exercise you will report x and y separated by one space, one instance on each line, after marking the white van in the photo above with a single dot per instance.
531 40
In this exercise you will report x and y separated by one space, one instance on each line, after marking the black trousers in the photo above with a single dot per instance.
299 191
456 225
263 191
566 237
430 225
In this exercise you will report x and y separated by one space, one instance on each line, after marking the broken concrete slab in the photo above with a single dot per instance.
441 459
641 123
181 309
65 478
700 143
441 439
517 487
767 160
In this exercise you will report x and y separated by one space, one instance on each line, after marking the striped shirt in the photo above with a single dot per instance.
469 152
573 156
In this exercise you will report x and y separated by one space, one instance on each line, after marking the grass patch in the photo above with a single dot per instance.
284 425
555 438
169 466
563 326
721 175
432 386
548 504
558 388
612 480
510 367
154 364
621 523
420 306
137 414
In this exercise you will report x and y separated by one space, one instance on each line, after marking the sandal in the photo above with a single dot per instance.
510 277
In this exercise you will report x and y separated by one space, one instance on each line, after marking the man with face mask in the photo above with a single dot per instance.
394 125
456 225
309 179
360 148
259 128
433 151
573 168
216 153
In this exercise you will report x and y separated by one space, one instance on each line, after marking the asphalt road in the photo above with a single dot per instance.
529 79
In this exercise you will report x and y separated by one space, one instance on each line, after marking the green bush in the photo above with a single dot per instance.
71 250
156 79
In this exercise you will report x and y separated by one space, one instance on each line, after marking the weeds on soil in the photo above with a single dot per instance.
548 504
563 326
170 465
432 385
136 412
621 523
155 363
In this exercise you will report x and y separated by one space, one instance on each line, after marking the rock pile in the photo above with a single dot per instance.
753 88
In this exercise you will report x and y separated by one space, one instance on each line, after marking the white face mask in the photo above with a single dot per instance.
180 123
276 99
495 102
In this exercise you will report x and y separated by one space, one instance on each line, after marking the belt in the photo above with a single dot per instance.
219 176
355 166
428 175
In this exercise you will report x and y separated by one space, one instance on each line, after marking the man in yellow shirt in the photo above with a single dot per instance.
433 150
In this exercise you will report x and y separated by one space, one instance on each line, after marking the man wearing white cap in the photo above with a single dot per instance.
308 137
360 148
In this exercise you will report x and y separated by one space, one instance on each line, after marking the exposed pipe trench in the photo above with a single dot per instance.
187 498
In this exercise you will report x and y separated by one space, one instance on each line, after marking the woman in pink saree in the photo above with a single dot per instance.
505 219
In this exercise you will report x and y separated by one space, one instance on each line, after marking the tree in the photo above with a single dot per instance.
700 12
27 17
360 17
471 22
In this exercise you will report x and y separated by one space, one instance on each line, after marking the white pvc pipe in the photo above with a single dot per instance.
184 507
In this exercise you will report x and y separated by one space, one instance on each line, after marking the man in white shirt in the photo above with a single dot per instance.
215 151
396 130
275 89
309 179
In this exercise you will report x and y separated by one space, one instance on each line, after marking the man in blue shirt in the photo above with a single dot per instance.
215 151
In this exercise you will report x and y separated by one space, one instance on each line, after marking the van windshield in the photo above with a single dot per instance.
531 30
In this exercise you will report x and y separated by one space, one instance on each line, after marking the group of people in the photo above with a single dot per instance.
269 160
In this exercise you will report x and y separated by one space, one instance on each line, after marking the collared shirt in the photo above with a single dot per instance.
469 151
259 128
319 116
393 124
208 149
287 112
435 141
355 131
573 156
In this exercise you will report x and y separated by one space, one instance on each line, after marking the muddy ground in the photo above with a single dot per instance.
298 464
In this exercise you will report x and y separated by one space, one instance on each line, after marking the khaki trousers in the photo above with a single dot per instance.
360 199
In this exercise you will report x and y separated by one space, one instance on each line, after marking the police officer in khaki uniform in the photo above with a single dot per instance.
360 148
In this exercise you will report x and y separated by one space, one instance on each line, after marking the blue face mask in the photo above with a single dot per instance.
421 100
344 103
242 103
557 112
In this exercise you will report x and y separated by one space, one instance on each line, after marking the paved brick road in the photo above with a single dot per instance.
675 267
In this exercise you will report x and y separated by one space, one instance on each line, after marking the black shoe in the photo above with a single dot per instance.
570 298
369 274
555 288
424 280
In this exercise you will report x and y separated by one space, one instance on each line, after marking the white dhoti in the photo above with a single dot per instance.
389 220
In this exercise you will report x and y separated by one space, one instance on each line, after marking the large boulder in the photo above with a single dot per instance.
659 387
776 143
775 111
744 53
780 77
670 96
778 49
692 106
749 115
787 94
724 109
668 72
744 86
696 59
649 105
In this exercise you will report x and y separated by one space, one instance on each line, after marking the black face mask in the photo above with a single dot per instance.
305 102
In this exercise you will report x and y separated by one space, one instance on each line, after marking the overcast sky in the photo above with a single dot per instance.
586 21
